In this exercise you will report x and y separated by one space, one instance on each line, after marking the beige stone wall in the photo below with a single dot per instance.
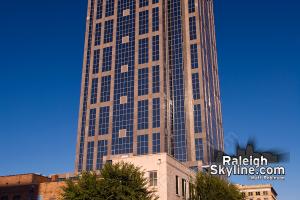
51 190
22 179
258 192
167 169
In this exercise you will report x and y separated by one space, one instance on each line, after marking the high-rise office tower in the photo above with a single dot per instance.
150 82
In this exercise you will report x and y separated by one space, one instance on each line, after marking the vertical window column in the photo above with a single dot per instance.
199 149
156 113
143 83
143 22
96 61
105 88
197 118
102 151
156 143
94 91
143 51
196 86
107 59
155 79
90 156
143 114
108 31
104 120
155 48
193 31
142 144
92 122
155 19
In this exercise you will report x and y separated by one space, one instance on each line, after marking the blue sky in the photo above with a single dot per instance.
40 61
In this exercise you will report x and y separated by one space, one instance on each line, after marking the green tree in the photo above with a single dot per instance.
208 187
121 181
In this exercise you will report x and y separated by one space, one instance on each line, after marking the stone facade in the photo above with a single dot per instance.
258 192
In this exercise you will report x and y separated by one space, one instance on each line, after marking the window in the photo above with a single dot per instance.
104 120
250 194
156 143
143 51
155 48
197 118
98 34
108 31
156 113
99 9
143 85
265 192
196 87
90 156
257 193
155 1
193 32
94 91
142 144
155 79
107 59
92 122
144 3
105 88
155 19
183 187
153 178
177 185
96 61
194 56
143 110
110 4
199 149
191 6
143 22
102 151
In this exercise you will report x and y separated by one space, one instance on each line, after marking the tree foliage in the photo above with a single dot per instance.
208 187
121 181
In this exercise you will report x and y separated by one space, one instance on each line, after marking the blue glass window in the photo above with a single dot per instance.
102 151
155 48
191 6
143 22
199 149
94 91
99 9
156 143
143 51
143 114
110 4
155 79
98 34
143 83
193 31
105 88
90 156
155 19
144 3
196 86
96 61
104 120
156 113
194 56
197 118
108 31
107 59
92 123
155 1
142 144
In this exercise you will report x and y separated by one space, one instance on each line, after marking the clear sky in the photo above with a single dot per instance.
41 49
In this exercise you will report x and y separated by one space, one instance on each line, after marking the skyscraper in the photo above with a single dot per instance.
149 82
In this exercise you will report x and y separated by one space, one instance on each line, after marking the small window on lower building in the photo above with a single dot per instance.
153 178
177 185
183 187
257 193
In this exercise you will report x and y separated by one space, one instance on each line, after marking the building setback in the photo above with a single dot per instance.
149 82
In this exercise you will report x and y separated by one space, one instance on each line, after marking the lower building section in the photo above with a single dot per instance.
258 192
